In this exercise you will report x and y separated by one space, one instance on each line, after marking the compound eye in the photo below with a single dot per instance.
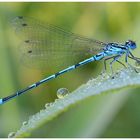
133 45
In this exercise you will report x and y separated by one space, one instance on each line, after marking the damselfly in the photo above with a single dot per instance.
43 42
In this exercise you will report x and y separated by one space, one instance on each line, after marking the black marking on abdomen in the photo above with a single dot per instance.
24 24
9 97
76 65
27 41
37 84
30 51
56 74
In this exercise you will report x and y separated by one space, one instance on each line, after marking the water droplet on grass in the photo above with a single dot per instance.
11 134
47 105
24 123
62 92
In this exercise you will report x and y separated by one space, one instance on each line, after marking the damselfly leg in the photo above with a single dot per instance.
115 59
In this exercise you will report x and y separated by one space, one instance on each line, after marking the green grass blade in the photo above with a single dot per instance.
127 78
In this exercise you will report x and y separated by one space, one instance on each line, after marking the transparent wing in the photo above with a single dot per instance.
45 44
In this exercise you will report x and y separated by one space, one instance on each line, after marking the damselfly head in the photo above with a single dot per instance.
131 44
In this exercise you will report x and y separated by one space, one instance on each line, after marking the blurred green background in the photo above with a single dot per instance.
109 115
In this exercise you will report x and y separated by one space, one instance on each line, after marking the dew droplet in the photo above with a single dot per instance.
56 100
24 123
11 134
62 92
47 105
